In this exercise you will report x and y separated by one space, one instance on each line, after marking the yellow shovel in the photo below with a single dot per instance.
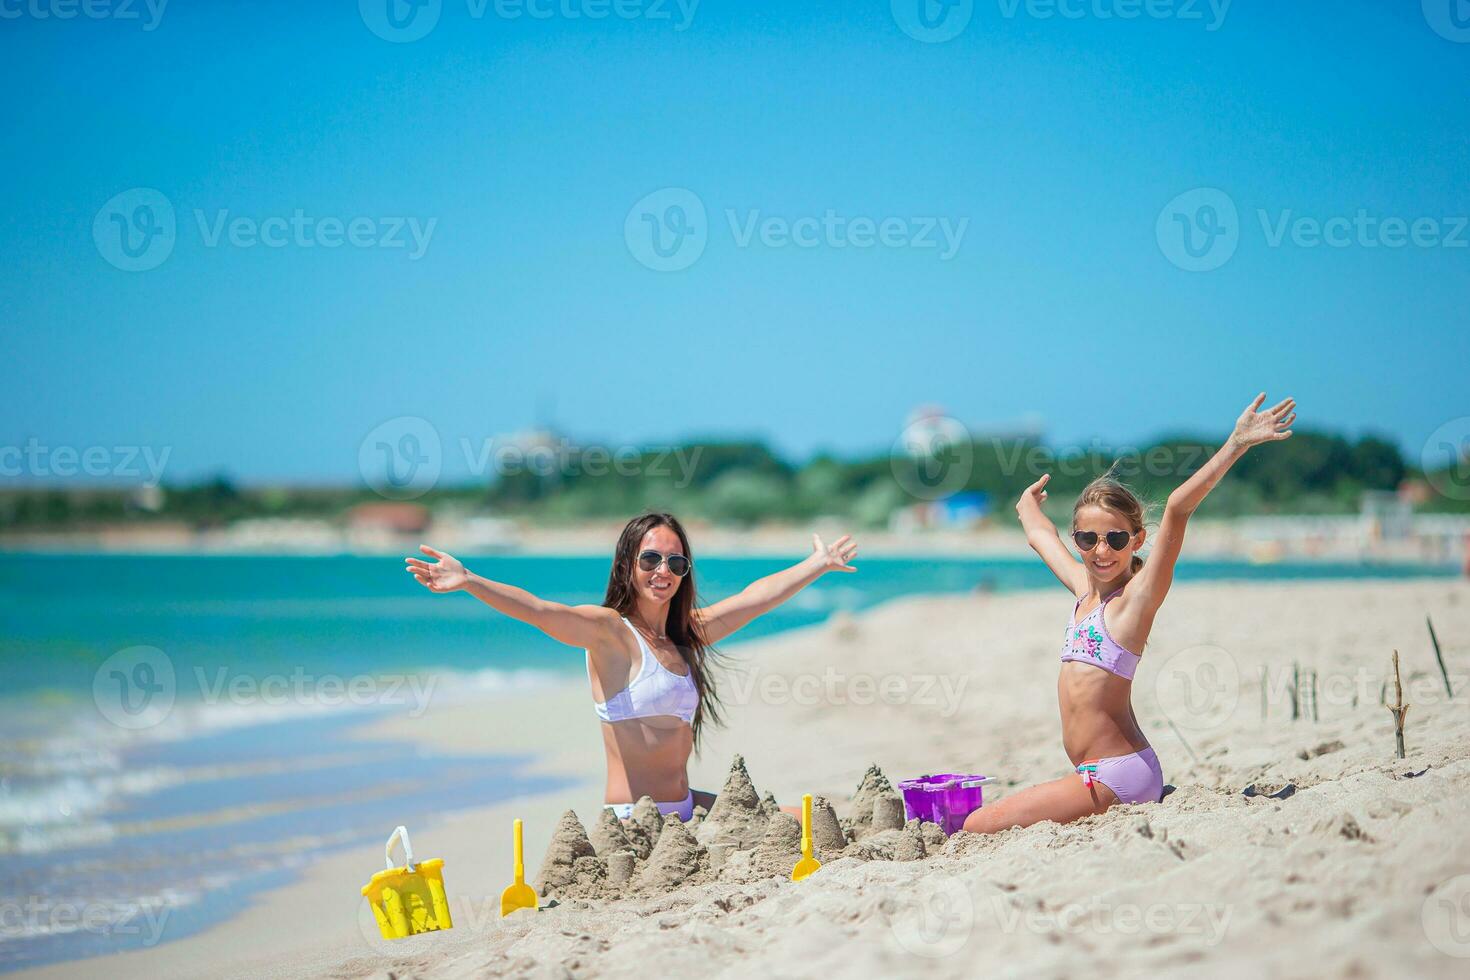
807 864
519 895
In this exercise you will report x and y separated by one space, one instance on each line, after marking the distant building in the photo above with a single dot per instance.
383 516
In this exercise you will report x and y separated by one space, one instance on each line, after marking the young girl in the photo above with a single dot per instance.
647 648
1118 595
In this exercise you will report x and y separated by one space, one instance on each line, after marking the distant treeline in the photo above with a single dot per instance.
745 482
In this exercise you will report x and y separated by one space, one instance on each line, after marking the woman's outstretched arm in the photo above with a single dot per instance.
577 626
1042 536
719 620
1151 584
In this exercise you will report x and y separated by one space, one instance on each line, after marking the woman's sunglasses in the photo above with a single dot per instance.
678 564
1117 540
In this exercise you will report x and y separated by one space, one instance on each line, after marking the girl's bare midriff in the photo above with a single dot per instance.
647 757
1097 715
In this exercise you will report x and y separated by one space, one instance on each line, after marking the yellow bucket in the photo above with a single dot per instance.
410 899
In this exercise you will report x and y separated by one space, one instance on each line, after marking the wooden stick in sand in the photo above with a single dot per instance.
1399 709
1263 692
1296 690
1314 695
1440 657
1179 735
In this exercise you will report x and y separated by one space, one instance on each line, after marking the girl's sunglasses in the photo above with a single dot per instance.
678 564
1117 540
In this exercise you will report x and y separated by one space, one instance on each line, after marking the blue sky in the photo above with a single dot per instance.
1051 146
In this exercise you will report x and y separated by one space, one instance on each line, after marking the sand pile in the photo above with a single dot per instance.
744 838
572 866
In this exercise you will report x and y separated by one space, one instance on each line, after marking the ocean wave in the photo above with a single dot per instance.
59 790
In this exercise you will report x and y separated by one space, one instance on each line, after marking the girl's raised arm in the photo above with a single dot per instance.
719 620
1253 427
577 626
1041 535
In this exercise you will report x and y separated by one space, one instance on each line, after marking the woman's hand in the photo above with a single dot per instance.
834 557
1255 427
445 575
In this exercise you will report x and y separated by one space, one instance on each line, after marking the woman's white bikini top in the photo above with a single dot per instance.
654 690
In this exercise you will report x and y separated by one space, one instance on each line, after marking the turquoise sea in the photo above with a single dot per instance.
175 730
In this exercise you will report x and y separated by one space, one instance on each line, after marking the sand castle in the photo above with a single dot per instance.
745 837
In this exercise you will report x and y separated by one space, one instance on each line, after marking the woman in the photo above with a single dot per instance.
648 648
1118 596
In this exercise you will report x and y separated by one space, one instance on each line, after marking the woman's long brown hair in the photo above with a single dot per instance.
681 626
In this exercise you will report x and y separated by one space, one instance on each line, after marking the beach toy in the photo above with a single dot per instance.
410 899
519 895
945 798
807 864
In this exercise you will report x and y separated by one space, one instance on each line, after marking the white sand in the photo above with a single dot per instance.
1353 875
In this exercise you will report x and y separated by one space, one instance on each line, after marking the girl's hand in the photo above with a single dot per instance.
1255 427
834 557
1032 496
445 575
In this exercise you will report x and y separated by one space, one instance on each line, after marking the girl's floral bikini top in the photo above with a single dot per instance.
1090 642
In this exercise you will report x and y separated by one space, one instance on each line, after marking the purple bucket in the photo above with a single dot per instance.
946 798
